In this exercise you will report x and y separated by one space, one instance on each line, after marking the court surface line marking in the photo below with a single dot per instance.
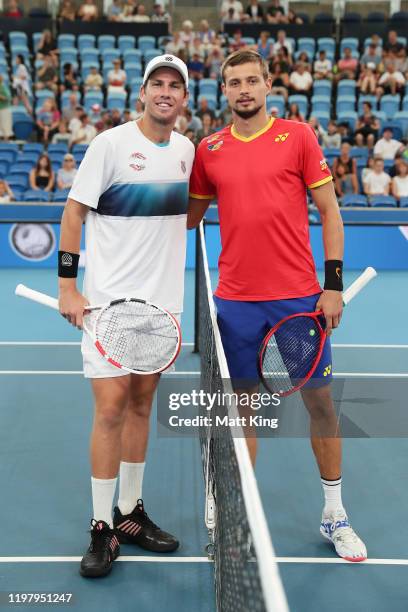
143 559
197 373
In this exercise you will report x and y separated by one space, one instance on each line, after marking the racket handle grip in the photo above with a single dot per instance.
37 296
358 285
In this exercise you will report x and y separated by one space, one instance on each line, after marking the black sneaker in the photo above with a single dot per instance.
137 528
103 550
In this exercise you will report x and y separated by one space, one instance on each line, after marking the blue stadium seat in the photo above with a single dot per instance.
20 51
321 88
376 17
90 55
224 104
403 202
108 55
85 41
4 166
60 195
92 97
133 70
324 18
36 38
79 148
320 103
402 40
326 44
132 55
135 84
133 97
7 157
60 147
354 200
402 118
32 195
69 56
346 87
359 153
146 42
16 37
21 176
126 42
116 100
383 200
149 54
301 101
86 69
381 117
405 103
106 41
323 117
348 117
212 101
308 45
396 128
106 68
366 98
390 104
278 101
66 41
44 94
23 128
345 104
33 147
248 40
350 42
30 157
56 156
208 87
66 95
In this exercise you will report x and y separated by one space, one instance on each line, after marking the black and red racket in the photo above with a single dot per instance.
291 350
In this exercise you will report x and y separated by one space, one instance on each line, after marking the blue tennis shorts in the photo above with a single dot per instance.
243 326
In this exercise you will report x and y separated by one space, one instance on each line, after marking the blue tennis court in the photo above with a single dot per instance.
46 411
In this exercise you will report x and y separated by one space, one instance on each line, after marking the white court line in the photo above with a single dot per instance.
143 559
197 373
57 343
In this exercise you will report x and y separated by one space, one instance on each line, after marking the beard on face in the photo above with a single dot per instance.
247 114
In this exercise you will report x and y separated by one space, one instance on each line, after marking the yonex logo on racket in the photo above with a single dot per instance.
66 259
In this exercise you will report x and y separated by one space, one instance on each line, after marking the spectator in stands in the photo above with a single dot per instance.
264 46
376 40
392 48
282 42
47 46
367 82
6 119
300 80
137 112
187 33
345 158
370 56
322 67
160 15
275 12
13 10
280 81
42 176
207 127
191 136
116 117
196 68
88 11
347 65
69 79
126 115
317 128
47 77
207 35
254 12
6 194
284 59
392 81
114 11
94 80
214 62
401 63
388 147
21 83
68 111
294 18
127 10
48 118
204 108
377 182
67 10
331 138
67 172
237 43
175 45
193 122
95 115
231 10
367 127
139 14
294 113
62 135
85 133
116 77
399 184
75 123
303 58
274 112
197 48
344 182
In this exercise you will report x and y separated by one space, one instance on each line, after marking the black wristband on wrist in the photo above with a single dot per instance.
68 264
333 275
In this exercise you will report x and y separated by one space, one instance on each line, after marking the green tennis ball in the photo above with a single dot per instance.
312 332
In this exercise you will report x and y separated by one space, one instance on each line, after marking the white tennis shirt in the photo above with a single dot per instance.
137 193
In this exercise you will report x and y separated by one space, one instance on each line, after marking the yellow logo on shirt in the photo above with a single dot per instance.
327 370
216 146
323 164
282 137
213 138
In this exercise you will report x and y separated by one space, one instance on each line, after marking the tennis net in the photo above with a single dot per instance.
246 573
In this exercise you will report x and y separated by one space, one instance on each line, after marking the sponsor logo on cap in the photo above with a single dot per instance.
168 58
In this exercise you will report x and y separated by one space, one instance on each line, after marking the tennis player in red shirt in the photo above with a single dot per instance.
259 169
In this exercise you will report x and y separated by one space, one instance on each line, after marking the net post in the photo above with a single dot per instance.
196 292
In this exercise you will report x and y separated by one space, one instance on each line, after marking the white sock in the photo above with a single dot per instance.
103 492
130 485
332 495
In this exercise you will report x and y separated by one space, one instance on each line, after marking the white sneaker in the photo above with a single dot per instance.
336 528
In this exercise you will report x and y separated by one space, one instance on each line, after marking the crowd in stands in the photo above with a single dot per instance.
354 96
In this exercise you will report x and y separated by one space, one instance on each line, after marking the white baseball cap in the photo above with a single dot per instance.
166 61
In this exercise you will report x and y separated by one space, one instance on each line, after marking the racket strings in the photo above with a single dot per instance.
138 336
291 353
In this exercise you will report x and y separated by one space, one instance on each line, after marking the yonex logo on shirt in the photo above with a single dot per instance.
66 259
282 137
323 165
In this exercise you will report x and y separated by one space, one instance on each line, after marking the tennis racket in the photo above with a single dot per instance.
132 334
291 350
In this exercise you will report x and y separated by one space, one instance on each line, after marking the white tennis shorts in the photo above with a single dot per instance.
96 366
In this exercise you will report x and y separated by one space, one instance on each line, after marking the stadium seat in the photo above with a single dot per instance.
383 200
56 157
320 103
350 42
208 87
4 166
23 128
307 44
405 103
322 88
146 42
34 195
399 16
116 100
323 117
44 94
89 55
326 44
16 37
324 18
79 148
66 95
351 18
366 98
135 84
402 118
389 105
301 101
66 41
346 87
20 51
359 153
354 199
21 176
35 40
61 195
86 68
132 55
60 147
149 54
345 104
376 16
7 157
69 56
248 40
348 117
212 101
92 97
381 117
278 101
224 104
133 70
85 41
106 41
126 42
403 202
108 55
402 40
396 128
33 147
29 157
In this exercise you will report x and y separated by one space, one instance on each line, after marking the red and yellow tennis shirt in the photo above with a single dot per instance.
260 183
